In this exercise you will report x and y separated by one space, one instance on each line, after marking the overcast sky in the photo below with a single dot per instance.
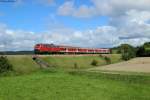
85 23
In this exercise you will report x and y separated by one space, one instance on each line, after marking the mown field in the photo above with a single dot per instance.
64 86
58 84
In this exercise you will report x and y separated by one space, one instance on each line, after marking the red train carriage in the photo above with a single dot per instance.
51 48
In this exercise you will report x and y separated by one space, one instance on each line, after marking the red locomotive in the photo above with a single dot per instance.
53 49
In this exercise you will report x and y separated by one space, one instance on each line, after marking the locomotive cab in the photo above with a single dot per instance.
37 48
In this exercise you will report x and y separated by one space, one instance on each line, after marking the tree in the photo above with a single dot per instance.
4 65
140 51
127 51
144 50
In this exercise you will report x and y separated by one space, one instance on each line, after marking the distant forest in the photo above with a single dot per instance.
16 52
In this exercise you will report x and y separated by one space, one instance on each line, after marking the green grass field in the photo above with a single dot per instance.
23 63
81 61
57 84
65 86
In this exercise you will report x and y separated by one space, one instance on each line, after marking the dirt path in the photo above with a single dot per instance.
134 65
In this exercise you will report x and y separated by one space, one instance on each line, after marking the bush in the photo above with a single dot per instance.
94 63
128 55
5 66
75 66
140 52
107 59
125 56
101 56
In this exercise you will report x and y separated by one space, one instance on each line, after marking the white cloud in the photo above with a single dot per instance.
102 36
22 40
130 18
119 7
103 7
136 24
84 11
68 9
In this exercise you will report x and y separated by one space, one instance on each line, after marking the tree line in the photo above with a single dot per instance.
129 51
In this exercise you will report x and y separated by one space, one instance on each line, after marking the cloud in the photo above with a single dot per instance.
68 9
100 37
133 27
135 24
131 19
135 30
118 7
103 7
25 40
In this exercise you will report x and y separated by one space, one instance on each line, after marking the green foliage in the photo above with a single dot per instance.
147 44
126 56
127 51
107 59
144 50
76 66
146 47
5 66
141 51
94 63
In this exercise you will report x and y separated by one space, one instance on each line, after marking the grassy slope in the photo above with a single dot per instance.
82 61
64 86
23 64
